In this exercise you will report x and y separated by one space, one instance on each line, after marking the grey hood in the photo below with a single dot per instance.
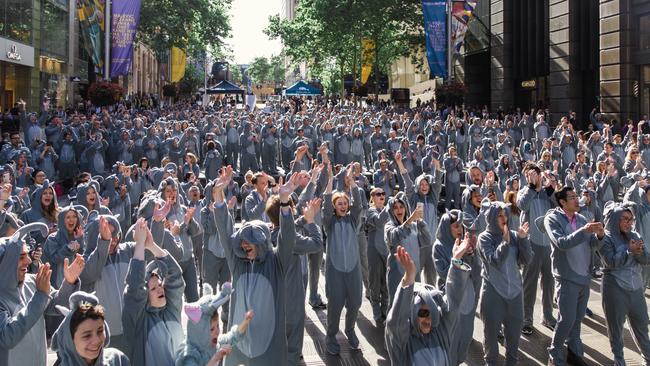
443 234
399 197
255 232
10 250
429 295
62 341
492 216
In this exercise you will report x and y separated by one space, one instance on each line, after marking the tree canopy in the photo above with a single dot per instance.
196 26
327 34
270 70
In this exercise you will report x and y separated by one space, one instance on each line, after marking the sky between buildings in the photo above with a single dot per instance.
249 18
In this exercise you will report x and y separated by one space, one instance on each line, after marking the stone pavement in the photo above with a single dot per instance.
532 349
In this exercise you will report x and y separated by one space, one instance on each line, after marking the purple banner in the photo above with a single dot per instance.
125 18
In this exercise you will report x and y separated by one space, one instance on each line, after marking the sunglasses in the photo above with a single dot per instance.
379 194
423 313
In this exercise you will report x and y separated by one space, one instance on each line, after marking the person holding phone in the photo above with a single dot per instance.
450 230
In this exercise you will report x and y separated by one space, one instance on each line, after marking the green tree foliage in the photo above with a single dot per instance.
259 70
192 80
270 70
329 32
194 25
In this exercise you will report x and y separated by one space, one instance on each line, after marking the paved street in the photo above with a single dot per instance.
532 350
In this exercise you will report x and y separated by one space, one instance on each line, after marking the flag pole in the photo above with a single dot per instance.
107 41
449 45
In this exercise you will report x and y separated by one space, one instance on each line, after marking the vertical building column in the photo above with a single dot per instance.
73 43
616 69
501 85
561 81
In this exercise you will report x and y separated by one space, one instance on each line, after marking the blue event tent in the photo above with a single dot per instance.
302 88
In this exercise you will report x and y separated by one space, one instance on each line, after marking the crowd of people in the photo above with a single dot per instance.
229 218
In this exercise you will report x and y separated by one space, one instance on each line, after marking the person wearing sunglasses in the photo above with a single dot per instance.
450 230
422 320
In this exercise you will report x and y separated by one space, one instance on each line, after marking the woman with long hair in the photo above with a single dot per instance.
44 209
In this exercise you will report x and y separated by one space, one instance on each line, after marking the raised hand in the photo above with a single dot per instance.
288 188
311 209
247 320
5 192
105 232
462 247
78 232
43 278
74 245
405 261
72 271
160 213
188 215
522 232
140 232
105 201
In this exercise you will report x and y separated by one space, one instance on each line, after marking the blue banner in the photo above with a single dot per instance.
435 32
126 15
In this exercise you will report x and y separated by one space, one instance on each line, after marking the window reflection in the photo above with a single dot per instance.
54 29
16 20
644 32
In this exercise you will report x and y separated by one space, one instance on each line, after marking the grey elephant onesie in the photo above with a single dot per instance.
405 343
343 284
442 254
501 293
412 237
22 326
105 274
623 287
155 334
259 286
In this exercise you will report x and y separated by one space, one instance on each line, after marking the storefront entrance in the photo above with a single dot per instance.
14 84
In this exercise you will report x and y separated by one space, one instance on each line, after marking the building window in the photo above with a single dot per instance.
54 29
16 20
644 32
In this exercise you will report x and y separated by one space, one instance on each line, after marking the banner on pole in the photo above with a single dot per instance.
435 32
367 58
91 23
462 13
178 60
124 22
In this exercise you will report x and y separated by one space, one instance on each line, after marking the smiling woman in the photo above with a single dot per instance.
83 336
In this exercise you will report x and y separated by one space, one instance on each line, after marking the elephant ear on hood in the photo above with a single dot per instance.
62 340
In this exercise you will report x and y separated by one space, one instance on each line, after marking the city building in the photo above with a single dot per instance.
145 75
571 55
294 72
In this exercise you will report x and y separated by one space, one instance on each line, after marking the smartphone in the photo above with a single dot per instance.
5 177
420 205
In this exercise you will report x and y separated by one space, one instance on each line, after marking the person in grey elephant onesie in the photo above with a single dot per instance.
502 251
623 289
422 321
343 284
153 299
258 273
425 193
534 200
449 234
573 241
25 298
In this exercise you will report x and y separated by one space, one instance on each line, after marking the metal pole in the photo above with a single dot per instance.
107 41
205 81
450 53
